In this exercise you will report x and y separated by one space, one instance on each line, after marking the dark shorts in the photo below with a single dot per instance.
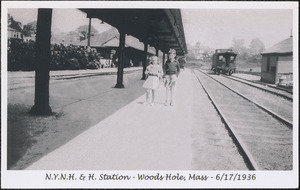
170 80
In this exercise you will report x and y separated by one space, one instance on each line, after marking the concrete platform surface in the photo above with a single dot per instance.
186 136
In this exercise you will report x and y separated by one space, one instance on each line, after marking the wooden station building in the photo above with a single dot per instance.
277 62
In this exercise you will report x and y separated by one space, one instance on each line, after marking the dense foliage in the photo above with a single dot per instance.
22 57
73 57
250 54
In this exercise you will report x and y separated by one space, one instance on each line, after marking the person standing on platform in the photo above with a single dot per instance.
130 63
182 61
153 72
171 71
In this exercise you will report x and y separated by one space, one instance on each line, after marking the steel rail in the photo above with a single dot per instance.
283 120
277 88
270 91
247 156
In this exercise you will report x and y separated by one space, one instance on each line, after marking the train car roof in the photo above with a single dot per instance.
224 51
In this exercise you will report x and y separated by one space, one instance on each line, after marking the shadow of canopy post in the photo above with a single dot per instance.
160 28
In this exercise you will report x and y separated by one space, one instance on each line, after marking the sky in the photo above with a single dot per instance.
218 27
63 20
215 28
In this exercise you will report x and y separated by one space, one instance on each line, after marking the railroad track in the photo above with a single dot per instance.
276 105
28 82
265 142
278 89
273 90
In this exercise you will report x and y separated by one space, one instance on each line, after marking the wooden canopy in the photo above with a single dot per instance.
160 28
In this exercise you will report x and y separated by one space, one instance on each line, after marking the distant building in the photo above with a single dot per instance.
196 51
134 49
199 52
277 63
97 41
107 43
30 38
13 33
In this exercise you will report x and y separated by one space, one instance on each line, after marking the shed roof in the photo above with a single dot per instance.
98 40
129 42
11 29
283 47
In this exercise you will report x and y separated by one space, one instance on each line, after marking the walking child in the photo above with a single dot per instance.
171 71
154 72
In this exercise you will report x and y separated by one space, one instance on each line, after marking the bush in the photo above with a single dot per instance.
73 57
93 65
22 56
73 64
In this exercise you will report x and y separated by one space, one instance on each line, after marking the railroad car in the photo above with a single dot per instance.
223 61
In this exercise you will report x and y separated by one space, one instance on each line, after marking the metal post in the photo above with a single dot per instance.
41 100
89 35
145 59
121 60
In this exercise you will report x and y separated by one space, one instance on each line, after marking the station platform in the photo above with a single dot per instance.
186 136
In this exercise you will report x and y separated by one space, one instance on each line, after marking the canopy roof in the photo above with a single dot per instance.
161 28
283 47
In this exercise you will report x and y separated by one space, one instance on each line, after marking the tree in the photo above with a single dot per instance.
239 48
29 29
83 29
238 45
207 55
255 48
14 24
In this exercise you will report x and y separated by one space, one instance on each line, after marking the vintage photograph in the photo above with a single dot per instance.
198 87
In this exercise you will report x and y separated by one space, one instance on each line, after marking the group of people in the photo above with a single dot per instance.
168 73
